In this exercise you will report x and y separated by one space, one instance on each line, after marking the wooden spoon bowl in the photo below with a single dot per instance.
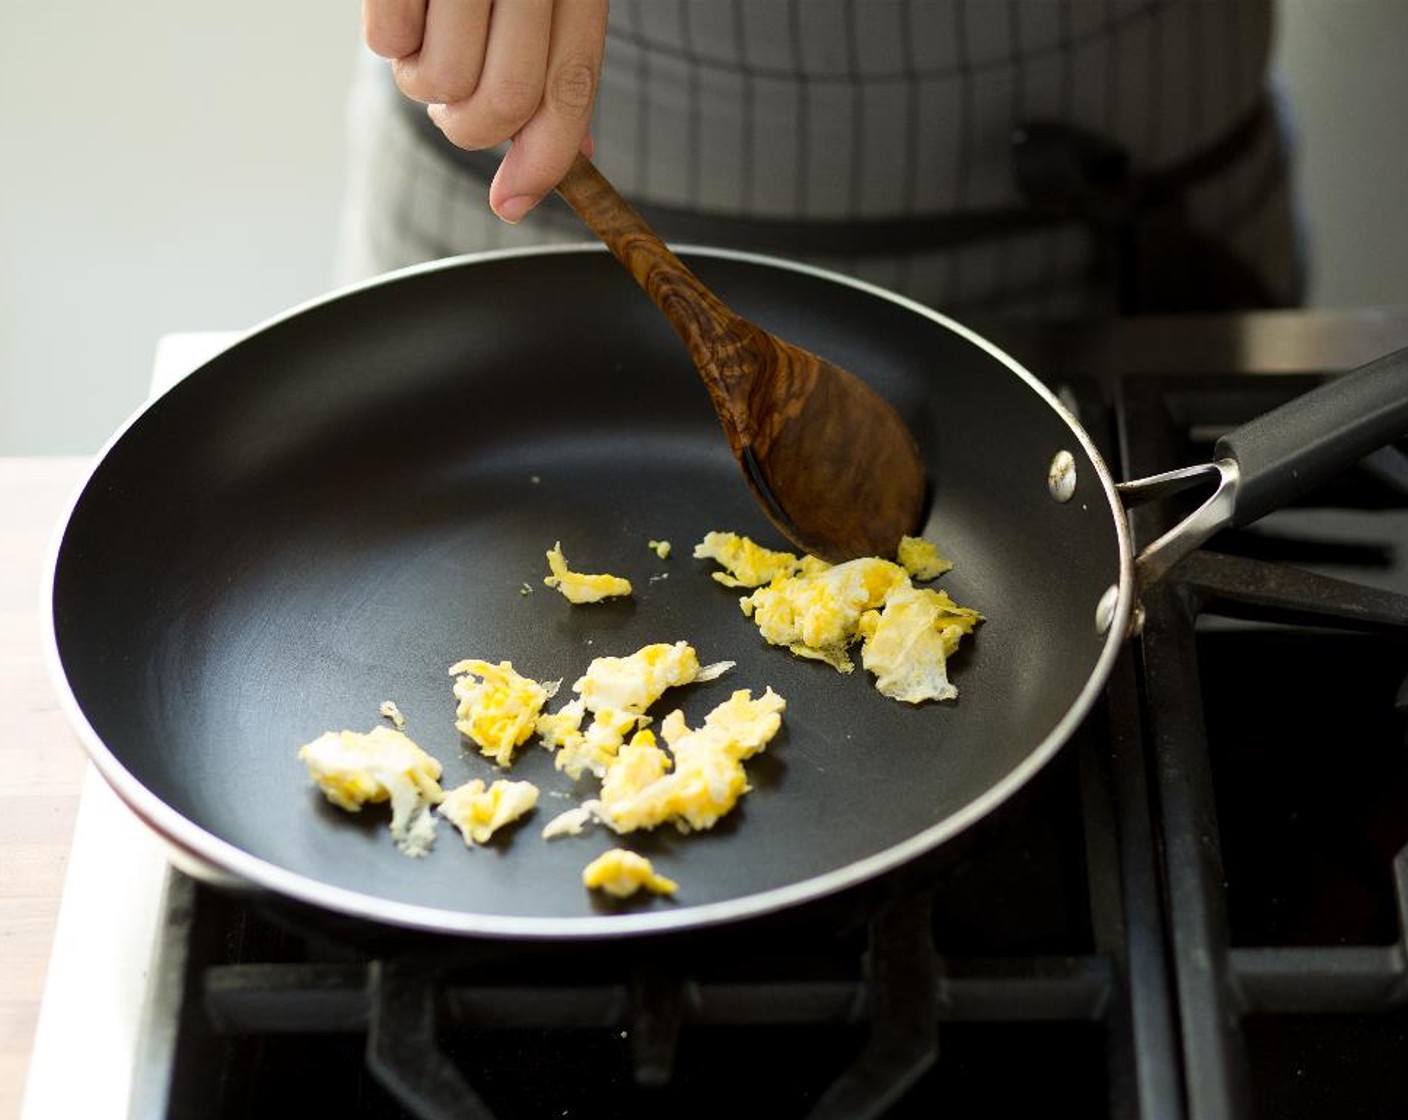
829 460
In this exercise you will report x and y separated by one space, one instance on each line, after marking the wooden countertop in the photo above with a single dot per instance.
42 762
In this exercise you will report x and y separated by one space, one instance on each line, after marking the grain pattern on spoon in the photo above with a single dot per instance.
830 461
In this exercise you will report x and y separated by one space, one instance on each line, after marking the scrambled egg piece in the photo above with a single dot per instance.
908 643
569 823
621 873
594 749
353 769
637 764
739 727
921 559
816 614
393 713
700 780
746 564
479 811
820 611
660 548
580 588
563 727
498 708
635 682
616 691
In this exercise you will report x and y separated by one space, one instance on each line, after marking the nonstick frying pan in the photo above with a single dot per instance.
360 493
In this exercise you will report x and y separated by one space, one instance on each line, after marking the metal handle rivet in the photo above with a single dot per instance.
1061 476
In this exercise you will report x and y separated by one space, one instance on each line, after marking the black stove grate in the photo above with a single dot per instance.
1276 715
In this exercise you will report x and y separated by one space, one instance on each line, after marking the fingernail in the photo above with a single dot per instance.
512 209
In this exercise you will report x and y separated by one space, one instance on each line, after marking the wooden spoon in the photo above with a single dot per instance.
831 463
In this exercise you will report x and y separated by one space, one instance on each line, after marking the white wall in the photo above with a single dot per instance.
164 165
1344 67
175 165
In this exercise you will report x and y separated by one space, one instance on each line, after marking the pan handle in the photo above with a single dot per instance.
1294 448
1274 459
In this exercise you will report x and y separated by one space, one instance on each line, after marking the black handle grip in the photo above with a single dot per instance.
1294 448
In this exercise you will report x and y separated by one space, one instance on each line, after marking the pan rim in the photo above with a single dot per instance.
206 856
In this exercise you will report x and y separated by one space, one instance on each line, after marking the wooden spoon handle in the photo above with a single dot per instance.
707 326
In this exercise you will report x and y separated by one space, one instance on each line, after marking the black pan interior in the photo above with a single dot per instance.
335 510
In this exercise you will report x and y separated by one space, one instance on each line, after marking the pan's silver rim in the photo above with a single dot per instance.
206 856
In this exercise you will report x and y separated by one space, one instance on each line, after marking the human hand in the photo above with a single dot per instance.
496 70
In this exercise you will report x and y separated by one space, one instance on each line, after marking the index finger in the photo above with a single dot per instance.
393 28
546 145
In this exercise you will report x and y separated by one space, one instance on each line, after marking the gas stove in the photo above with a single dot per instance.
1197 910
